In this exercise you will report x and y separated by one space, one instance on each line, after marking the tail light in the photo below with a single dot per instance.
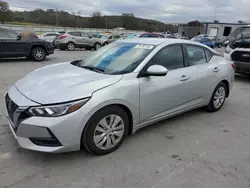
234 66
62 37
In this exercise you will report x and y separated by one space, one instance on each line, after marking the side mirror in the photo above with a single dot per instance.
226 43
19 36
156 70
90 36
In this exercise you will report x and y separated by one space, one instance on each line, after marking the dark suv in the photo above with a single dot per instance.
13 44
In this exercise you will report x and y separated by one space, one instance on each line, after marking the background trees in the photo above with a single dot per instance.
74 19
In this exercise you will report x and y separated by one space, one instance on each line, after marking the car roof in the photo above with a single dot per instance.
157 41
166 41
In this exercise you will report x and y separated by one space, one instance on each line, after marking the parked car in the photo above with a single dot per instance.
109 38
76 39
49 37
13 44
204 40
64 106
238 49
146 35
217 41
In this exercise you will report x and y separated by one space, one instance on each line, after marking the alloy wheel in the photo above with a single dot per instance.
71 46
39 54
108 132
219 97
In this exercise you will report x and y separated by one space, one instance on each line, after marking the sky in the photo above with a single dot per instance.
167 11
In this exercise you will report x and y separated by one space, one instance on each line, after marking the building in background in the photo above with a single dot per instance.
191 29
210 28
220 29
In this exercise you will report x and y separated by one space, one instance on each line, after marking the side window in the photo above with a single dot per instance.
170 57
75 33
110 37
7 34
206 40
195 55
144 35
116 37
85 35
209 55
152 36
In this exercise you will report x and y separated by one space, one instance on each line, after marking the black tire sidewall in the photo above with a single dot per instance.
211 106
88 133
33 56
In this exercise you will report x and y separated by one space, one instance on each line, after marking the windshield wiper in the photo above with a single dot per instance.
96 69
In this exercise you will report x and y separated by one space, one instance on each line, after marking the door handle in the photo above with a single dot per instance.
184 78
216 69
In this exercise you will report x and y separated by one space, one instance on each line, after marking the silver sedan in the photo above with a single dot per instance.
96 102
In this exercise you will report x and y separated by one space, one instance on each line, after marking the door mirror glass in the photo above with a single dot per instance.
157 70
19 36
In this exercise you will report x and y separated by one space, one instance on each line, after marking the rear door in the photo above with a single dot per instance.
11 46
202 72
87 39
76 37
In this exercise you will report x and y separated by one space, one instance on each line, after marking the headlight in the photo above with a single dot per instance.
57 110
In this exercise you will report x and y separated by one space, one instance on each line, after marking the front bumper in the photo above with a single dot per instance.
45 134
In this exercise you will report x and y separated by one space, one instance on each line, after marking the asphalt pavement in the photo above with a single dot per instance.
193 150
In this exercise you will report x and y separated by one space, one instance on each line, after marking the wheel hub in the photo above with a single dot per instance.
109 132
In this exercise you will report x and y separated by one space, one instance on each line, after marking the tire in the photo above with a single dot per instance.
220 91
71 46
97 46
38 54
90 134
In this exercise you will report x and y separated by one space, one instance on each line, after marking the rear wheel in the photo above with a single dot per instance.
38 54
71 46
106 130
218 98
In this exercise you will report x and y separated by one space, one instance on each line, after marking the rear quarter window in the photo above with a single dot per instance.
209 55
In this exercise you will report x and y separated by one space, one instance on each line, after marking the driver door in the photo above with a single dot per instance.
163 95
11 46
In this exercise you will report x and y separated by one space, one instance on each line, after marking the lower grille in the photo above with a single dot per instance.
11 107
241 56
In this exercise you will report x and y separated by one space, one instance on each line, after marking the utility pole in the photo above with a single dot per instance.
106 22
215 12
56 17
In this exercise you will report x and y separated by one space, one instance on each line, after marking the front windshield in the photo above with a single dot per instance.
132 36
117 58
104 37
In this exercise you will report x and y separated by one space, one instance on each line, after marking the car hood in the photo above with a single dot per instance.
63 82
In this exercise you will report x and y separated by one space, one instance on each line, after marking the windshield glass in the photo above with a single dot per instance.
132 36
104 37
196 39
117 58
240 33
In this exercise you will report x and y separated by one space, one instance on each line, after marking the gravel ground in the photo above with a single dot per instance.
193 150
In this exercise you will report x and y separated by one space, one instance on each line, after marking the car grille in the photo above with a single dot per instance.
14 111
241 56
11 106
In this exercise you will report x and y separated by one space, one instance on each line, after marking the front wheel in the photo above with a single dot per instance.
97 46
106 130
218 98
38 54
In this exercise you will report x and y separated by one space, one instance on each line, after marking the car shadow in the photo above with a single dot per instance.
242 78
21 60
